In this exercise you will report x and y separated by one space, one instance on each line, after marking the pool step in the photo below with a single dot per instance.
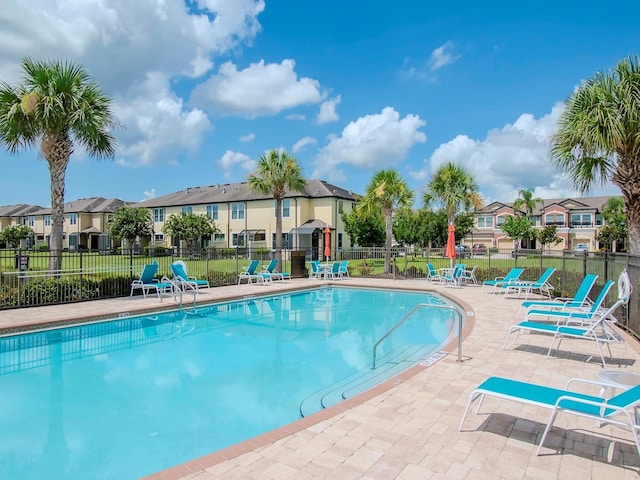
389 365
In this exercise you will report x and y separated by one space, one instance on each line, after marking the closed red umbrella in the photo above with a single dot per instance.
327 243
450 252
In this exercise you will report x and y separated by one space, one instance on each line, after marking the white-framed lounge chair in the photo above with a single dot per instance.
469 276
432 273
497 283
148 282
251 273
542 285
579 300
181 278
588 325
453 277
271 270
618 410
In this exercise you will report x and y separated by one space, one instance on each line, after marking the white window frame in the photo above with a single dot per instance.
237 211
219 237
73 219
212 212
158 237
484 219
158 215
31 220
47 220
187 209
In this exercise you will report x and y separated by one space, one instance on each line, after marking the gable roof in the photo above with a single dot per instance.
88 205
240 192
19 210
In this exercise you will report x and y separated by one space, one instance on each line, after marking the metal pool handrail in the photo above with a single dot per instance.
413 310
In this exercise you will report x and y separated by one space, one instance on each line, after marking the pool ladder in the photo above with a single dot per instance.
404 319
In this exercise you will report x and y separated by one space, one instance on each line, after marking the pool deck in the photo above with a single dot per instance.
407 428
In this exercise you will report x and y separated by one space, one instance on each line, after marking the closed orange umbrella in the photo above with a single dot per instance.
450 252
327 243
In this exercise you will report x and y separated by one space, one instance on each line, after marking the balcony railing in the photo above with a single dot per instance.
581 224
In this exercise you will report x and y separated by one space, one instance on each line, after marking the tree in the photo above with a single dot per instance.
407 228
58 106
455 188
527 201
517 228
387 192
616 229
13 234
366 230
598 137
549 235
130 223
277 172
189 227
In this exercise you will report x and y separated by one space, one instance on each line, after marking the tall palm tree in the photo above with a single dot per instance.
56 105
455 188
527 201
277 173
387 191
598 137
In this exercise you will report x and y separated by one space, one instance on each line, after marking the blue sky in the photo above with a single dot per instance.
203 88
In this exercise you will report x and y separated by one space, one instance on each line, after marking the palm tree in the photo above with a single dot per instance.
598 137
387 192
57 105
455 188
277 173
527 201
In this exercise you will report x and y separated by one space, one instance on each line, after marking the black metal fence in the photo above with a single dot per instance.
25 280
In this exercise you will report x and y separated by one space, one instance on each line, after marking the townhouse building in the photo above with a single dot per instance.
248 219
577 221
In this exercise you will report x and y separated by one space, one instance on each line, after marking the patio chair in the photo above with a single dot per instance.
511 277
271 270
453 277
618 410
181 278
578 323
334 272
469 276
580 299
542 285
148 282
251 273
344 269
432 273
316 269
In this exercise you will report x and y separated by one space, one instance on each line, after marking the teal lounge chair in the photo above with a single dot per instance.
316 270
581 298
578 323
181 278
270 270
618 410
511 277
251 273
542 285
432 273
148 282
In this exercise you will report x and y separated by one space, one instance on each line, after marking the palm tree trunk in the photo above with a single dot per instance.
279 233
388 219
633 215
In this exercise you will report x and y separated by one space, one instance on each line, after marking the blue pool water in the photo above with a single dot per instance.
126 398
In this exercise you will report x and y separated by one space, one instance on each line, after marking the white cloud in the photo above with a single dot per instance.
442 56
372 141
295 116
508 159
260 89
327 112
148 194
231 160
303 142
157 126
248 138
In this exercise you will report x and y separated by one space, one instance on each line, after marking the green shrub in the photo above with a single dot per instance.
218 279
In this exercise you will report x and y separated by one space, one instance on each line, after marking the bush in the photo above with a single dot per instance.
218 279
43 247
158 251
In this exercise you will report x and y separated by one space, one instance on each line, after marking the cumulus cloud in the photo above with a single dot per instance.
260 89
303 142
158 127
149 194
442 56
248 138
327 112
295 116
508 159
372 141
231 160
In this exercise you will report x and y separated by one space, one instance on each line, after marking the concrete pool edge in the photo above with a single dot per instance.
201 463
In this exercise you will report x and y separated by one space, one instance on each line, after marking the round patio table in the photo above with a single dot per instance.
616 379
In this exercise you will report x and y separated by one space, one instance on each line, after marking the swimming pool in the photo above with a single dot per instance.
129 397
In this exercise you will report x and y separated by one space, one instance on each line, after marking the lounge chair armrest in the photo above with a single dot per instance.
589 382
603 405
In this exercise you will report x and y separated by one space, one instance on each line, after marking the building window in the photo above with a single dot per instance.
218 237
212 212
500 220
287 240
340 241
30 221
237 211
581 220
554 219
599 221
158 215
286 208
47 220
340 207
187 209
237 240
73 219
536 220
158 237
485 222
